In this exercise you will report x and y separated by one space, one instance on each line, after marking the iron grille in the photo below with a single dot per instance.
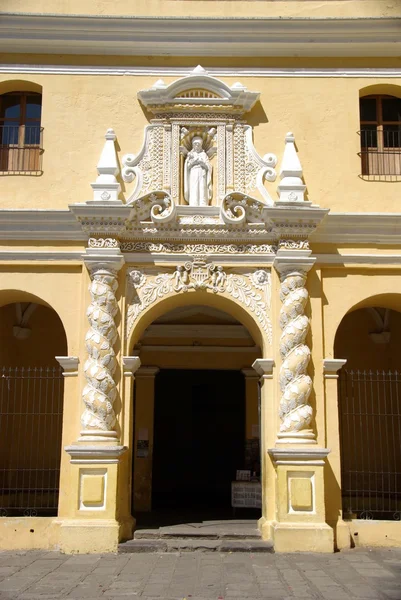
380 152
21 148
370 435
31 411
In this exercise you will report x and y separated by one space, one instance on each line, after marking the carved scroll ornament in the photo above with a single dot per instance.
252 290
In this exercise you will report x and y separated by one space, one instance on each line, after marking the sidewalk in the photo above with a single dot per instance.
358 573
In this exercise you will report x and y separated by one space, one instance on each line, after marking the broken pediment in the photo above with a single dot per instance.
197 90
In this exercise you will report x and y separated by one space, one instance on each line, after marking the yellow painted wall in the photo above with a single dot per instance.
323 114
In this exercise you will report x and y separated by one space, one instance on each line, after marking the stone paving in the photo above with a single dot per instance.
358 573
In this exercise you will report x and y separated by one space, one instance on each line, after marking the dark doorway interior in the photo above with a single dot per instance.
199 431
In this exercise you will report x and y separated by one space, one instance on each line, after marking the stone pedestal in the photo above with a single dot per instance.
300 524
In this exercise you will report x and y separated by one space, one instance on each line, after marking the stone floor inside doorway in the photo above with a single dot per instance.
357 573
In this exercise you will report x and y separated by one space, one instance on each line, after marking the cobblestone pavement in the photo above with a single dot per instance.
358 573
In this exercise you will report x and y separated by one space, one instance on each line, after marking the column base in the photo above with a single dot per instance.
89 536
298 437
302 537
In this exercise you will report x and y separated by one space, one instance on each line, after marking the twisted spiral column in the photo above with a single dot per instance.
295 411
100 391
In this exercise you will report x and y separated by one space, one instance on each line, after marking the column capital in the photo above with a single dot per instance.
103 259
331 366
289 261
130 365
147 371
69 364
264 367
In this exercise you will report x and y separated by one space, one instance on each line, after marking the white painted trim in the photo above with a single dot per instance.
130 365
264 367
27 255
331 366
299 456
198 36
132 258
203 349
358 259
139 71
69 364
39 224
95 454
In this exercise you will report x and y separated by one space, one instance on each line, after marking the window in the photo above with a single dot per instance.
20 132
380 135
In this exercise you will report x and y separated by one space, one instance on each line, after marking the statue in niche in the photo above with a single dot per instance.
197 175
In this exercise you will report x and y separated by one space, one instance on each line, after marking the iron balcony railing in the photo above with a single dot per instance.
380 152
31 413
21 148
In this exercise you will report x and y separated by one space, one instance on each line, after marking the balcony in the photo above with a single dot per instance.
21 149
380 154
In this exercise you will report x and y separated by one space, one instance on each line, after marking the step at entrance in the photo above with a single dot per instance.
208 536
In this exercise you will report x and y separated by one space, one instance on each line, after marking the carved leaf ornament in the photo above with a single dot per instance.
252 290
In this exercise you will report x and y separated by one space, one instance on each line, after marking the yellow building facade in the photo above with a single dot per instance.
199 268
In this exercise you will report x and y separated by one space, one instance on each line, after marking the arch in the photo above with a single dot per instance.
200 298
20 85
11 296
387 89
31 408
369 389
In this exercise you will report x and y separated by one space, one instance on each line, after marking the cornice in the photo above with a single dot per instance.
55 225
145 71
359 228
37 224
197 36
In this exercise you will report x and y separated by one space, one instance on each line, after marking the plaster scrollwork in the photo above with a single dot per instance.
146 167
251 289
237 208
158 207
193 249
100 391
293 245
103 243
257 169
296 385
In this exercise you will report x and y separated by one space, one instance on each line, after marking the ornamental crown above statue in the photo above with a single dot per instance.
198 165
197 148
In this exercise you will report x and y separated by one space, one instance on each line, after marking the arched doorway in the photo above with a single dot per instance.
370 412
31 407
196 417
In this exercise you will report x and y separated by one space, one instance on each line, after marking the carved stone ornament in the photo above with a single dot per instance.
296 385
197 150
252 290
166 248
100 391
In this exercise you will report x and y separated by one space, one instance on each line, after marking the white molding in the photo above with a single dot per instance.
331 366
69 364
95 454
198 36
28 255
130 365
336 228
371 228
264 367
358 259
133 258
143 71
39 224
299 456
195 349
